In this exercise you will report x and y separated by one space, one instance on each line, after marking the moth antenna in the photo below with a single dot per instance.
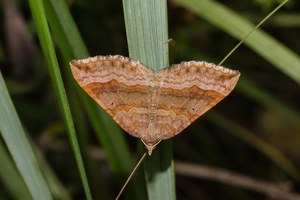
250 32
131 174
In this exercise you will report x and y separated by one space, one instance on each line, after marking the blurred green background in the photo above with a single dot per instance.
255 131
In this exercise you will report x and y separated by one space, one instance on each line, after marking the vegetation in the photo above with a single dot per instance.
56 143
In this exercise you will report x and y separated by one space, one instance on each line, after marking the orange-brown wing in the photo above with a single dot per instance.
121 86
190 89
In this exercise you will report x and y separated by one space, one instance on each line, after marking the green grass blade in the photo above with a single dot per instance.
14 136
159 172
280 56
147 37
66 33
10 176
147 32
109 133
39 17
235 25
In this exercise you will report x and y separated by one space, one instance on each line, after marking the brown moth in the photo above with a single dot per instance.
153 106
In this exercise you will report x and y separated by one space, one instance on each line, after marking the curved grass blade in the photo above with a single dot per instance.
232 23
14 136
10 176
71 45
39 17
262 43
109 133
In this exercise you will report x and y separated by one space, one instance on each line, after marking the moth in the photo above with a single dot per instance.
153 106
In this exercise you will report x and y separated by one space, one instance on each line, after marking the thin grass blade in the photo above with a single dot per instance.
10 176
39 17
108 132
71 45
235 25
14 136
